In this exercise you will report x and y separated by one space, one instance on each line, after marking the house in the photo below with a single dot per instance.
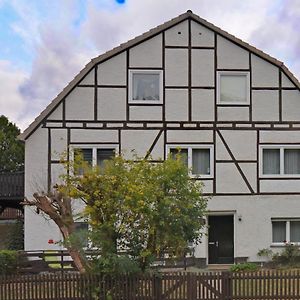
234 110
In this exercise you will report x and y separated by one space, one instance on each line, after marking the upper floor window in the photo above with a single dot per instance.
145 86
281 160
93 155
197 158
233 88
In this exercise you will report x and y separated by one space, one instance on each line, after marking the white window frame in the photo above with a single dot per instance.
287 230
94 148
233 73
131 72
281 148
190 158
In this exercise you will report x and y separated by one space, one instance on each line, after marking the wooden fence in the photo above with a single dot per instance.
165 286
59 260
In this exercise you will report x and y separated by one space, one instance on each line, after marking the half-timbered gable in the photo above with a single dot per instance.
186 84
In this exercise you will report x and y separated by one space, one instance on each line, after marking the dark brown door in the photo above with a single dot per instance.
220 240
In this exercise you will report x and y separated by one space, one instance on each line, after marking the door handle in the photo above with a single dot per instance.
214 243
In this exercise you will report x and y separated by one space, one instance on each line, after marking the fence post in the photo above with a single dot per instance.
227 285
157 287
191 286
62 260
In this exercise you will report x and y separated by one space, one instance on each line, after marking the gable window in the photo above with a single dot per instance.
281 160
198 158
145 86
285 231
94 155
233 88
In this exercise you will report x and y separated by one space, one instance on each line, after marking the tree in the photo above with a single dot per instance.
139 207
143 208
11 149
58 207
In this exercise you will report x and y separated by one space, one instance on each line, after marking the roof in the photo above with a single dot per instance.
139 39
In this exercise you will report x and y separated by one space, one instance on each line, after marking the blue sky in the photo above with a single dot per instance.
44 44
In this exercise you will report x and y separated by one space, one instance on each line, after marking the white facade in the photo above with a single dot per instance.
190 54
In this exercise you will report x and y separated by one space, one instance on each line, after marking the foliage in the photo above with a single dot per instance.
289 257
244 267
114 265
9 261
265 252
143 208
11 149
15 239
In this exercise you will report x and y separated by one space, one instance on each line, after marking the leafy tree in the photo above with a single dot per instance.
142 208
11 149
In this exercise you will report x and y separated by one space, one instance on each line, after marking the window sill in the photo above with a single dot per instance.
233 103
153 102
280 176
283 245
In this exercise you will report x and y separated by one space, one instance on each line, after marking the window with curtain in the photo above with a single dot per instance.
197 159
286 231
145 86
279 232
281 160
271 161
201 161
295 231
291 161
233 88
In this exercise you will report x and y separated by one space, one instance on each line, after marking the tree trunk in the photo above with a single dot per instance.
78 258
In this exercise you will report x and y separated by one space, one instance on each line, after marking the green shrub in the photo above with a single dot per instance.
9 262
266 252
244 267
289 257
115 265
15 239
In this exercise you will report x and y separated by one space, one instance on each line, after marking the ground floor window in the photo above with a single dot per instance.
286 231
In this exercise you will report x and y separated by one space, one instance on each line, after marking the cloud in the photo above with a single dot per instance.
11 100
279 34
62 36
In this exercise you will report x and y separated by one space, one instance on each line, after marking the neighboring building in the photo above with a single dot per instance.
233 109
11 211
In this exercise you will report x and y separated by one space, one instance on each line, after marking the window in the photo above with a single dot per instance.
94 155
197 158
285 231
233 88
81 233
280 160
145 86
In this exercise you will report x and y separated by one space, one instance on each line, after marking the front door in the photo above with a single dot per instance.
220 240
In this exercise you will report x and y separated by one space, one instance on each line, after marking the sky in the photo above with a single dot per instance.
44 44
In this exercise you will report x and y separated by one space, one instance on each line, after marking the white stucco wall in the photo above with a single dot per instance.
254 231
38 230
